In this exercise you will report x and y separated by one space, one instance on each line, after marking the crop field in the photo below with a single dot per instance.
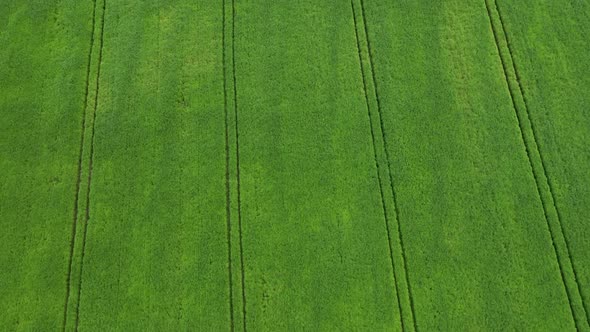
295 165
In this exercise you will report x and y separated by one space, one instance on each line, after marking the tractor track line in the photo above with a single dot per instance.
79 177
233 50
395 279
90 164
543 163
394 194
227 177
528 151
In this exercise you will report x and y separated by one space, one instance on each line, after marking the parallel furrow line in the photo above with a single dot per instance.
385 214
238 180
528 148
79 172
90 165
227 172
543 163
394 193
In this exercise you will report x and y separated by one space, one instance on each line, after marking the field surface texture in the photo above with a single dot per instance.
337 165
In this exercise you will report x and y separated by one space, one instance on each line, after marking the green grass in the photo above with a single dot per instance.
294 165
42 86
312 196
550 54
479 251
156 234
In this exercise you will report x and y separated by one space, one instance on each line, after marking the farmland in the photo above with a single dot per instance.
363 165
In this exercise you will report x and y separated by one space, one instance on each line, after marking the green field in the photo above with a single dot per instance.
301 165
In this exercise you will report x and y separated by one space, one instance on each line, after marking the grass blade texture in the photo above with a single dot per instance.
480 255
314 238
549 46
294 165
154 255
43 79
